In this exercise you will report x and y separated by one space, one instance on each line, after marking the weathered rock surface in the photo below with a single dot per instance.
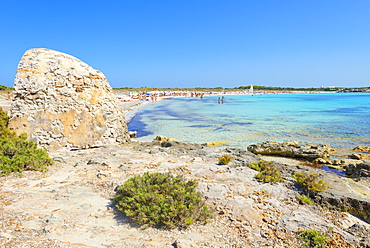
71 205
60 101
360 170
292 149
343 194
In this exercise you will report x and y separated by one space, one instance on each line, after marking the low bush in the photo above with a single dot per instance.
162 200
313 238
269 175
16 153
224 160
267 172
5 88
260 165
305 199
310 183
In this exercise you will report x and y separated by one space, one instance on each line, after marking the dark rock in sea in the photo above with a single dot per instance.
358 171
362 149
292 149
357 156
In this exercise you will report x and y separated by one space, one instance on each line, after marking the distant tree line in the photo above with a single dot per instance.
255 87
299 89
5 88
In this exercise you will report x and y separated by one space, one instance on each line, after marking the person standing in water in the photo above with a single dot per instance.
223 99
219 100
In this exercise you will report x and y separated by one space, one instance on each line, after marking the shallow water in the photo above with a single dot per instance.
339 119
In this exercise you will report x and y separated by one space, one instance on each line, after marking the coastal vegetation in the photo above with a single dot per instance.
5 88
261 165
162 200
224 160
16 153
310 183
271 88
244 88
267 172
305 199
313 238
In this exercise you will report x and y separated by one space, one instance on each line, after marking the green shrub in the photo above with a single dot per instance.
17 154
225 159
310 182
5 88
267 172
260 166
312 238
305 199
269 175
161 200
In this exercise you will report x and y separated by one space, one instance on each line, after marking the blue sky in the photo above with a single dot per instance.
203 43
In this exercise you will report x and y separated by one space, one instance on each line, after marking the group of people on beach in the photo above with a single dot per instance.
196 94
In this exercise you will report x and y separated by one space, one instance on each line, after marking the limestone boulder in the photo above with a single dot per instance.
60 101
291 149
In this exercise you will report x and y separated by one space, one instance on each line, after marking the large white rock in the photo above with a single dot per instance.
60 101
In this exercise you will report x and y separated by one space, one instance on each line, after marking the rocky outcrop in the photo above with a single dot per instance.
343 194
351 204
292 149
358 171
248 213
362 149
60 101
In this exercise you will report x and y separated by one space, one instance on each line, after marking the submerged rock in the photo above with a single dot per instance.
214 143
357 156
361 149
164 138
60 101
292 149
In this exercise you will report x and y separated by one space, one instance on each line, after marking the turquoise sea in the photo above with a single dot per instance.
339 119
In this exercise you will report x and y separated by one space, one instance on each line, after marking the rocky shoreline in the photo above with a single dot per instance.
71 205
69 108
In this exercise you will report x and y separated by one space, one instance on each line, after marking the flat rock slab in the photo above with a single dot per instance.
71 206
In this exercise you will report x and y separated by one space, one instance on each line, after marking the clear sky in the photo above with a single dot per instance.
197 43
